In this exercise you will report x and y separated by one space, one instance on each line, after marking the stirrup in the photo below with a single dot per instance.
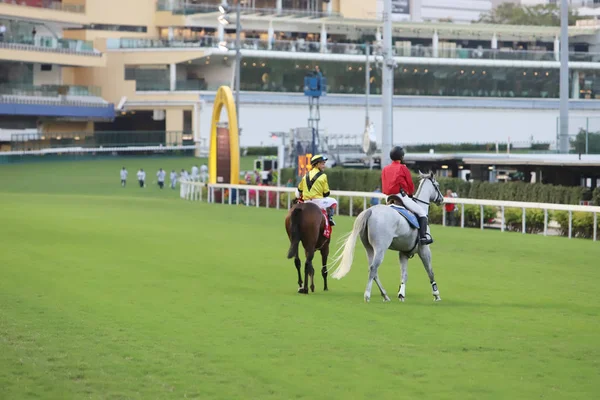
425 240
331 222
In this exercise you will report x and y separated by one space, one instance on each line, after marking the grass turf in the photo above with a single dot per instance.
117 293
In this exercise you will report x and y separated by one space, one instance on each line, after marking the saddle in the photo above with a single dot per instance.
409 216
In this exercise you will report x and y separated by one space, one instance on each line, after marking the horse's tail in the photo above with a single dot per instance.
345 259
295 221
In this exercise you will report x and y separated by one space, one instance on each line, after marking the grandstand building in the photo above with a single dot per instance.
89 72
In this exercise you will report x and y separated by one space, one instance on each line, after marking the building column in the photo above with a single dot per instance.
279 6
323 39
556 49
330 7
575 85
174 127
196 128
220 32
494 41
173 77
415 10
171 33
435 44
270 35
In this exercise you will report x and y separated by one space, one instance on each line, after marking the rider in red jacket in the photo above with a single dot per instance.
396 181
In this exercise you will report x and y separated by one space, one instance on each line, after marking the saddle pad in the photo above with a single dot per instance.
410 217
327 230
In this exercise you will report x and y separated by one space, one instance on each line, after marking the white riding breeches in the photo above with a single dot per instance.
325 202
412 205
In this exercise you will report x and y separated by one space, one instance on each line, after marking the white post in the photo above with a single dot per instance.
279 6
495 41
570 223
247 198
257 200
171 33
502 219
278 199
351 205
289 200
267 193
329 7
556 49
595 226
523 227
230 192
173 77
481 216
462 215
270 35
443 216
435 44
323 39
575 82
364 203
222 195
545 222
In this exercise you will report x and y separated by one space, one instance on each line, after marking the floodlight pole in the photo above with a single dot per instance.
238 61
563 138
387 89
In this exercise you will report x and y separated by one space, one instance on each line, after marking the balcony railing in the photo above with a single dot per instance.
47 4
50 44
186 8
351 49
48 90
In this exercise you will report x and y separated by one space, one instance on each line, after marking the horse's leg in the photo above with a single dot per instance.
324 255
298 265
403 276
309 271
374 265
425 255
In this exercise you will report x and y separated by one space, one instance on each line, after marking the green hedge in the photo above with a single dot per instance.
534 220
596 196
583 224
368 180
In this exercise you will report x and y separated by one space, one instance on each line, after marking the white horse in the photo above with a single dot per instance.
381 228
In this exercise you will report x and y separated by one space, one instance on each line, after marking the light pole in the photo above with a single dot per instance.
225 9
387 89
563 138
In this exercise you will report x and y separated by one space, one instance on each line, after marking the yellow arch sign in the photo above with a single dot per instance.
224 148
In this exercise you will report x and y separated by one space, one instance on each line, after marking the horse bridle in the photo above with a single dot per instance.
436 188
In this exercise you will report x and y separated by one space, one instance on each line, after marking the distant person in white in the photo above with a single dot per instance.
141 175
173 178
203 173
195 173
184 175
161 178
123 177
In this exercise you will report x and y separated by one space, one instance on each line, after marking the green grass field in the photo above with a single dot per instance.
129 293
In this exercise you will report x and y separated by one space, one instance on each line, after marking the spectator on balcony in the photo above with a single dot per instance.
2 32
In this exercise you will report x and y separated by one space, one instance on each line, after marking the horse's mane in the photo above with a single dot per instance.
423 175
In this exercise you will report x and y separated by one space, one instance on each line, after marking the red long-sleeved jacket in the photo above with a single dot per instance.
394 177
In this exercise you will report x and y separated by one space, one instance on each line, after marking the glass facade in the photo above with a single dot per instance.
409 80
287 76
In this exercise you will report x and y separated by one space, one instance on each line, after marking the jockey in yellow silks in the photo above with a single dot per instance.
314 187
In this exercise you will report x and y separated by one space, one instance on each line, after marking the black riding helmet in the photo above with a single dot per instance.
397 153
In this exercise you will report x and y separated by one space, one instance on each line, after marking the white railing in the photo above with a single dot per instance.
250 195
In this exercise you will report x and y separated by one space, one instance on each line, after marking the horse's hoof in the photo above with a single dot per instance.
437 298
367 299
312 289
401 298
386 299
302 291
326 290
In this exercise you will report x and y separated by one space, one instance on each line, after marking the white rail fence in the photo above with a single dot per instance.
252 195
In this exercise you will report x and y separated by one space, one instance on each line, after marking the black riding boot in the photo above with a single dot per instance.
330 211
424 238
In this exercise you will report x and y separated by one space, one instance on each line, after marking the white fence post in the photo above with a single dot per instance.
481 216
462 215
443 216
545 222
570 223
289 200
364 203
502 222
523 227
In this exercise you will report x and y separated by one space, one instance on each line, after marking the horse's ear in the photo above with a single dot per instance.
431 174
420 173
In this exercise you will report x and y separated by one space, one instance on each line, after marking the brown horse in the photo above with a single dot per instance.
306 223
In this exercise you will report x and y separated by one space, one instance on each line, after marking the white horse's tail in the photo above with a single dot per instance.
344 260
